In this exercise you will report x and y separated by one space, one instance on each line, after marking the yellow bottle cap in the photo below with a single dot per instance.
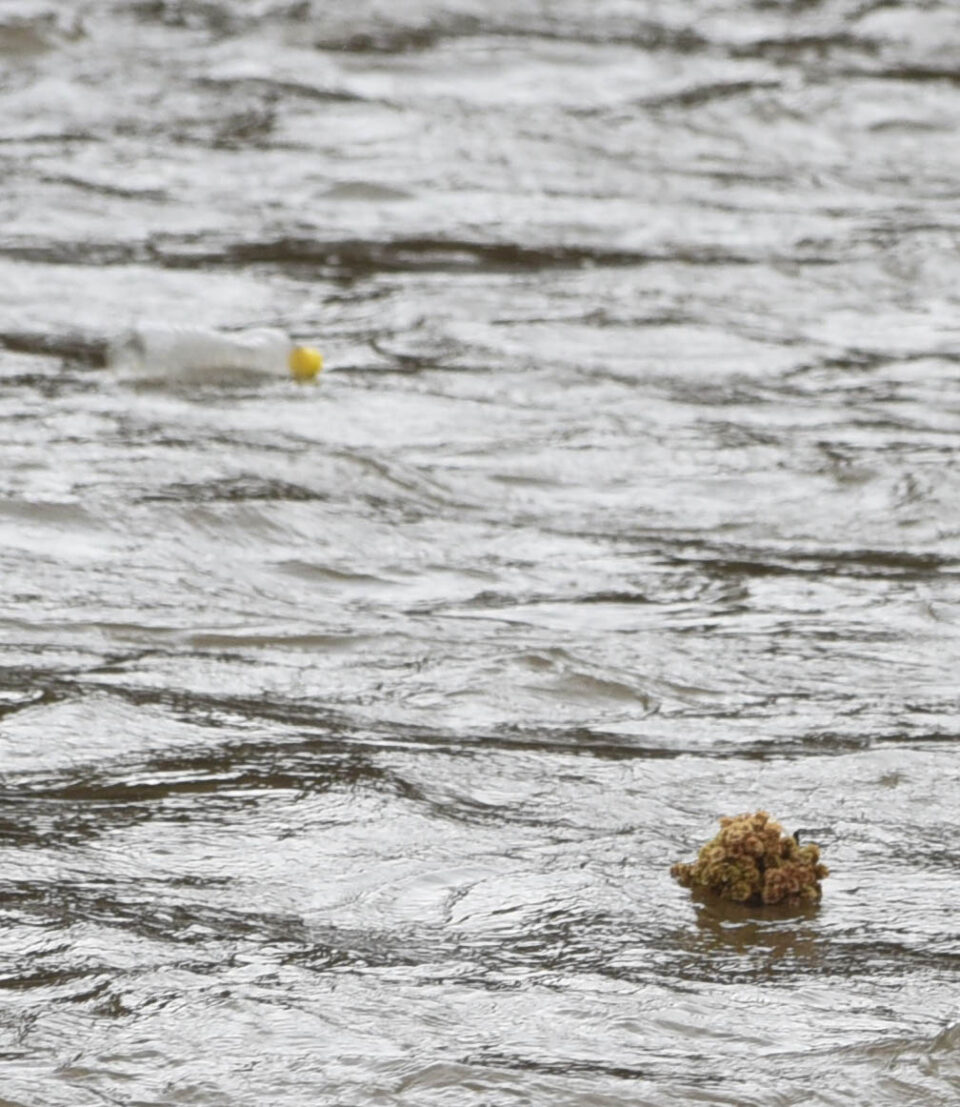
305 362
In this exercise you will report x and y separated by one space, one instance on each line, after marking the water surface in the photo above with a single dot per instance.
348 733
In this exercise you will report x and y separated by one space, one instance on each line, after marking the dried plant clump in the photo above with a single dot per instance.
752 861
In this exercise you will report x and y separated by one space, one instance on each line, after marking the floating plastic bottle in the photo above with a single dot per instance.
155 351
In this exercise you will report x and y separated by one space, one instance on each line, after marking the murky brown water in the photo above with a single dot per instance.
348 732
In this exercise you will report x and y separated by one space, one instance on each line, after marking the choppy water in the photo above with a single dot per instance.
349 732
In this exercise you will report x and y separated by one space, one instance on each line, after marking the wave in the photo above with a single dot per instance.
351 258
85 349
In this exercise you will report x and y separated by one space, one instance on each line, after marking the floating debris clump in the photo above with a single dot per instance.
752 861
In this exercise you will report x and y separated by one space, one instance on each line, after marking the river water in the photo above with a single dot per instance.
349 731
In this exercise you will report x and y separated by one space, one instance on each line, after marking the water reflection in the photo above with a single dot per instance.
769 940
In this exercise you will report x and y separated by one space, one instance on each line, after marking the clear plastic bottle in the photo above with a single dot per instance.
156 351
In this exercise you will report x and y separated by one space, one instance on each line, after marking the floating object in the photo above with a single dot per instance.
304 362
157 351
752 861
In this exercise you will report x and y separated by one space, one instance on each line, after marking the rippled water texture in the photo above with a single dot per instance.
349 731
